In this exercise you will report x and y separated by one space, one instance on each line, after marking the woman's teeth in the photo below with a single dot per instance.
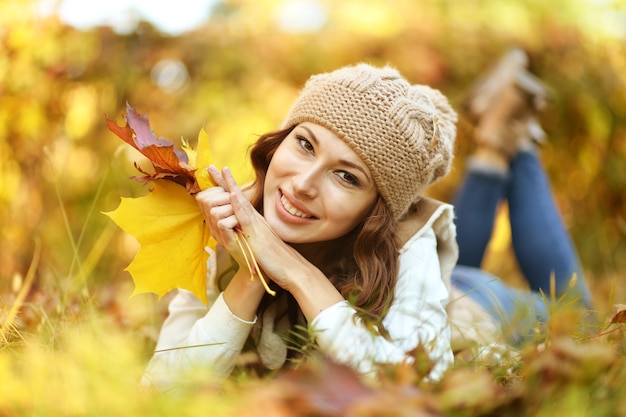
291 209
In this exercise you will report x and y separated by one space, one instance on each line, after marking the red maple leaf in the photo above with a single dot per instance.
168 161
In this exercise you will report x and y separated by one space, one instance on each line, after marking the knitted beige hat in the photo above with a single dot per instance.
404 133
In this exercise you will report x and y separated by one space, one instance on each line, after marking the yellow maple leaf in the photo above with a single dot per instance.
204 158
168 223
171 232
200 159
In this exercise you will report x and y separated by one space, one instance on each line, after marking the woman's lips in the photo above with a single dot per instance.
293 210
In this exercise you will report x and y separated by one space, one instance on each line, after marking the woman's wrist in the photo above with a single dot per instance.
243 295
313 291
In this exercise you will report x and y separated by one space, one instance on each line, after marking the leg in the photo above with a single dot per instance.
542 246
515 311
475 209
503 105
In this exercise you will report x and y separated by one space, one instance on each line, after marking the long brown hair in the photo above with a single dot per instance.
363 265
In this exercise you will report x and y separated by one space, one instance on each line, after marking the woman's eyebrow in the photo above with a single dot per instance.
313 137
341 161
355 166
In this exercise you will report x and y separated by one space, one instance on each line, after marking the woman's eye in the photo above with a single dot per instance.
304 143
349 178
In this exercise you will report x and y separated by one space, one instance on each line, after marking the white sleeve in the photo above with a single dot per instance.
416 316
194 337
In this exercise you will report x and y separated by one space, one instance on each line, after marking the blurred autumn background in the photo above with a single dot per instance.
235 72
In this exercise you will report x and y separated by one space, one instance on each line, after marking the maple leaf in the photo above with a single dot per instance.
204 158
168 223
170 229
200 158
168 161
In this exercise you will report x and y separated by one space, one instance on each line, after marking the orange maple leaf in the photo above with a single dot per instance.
168 161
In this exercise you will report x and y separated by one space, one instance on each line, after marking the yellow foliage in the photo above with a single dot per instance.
203 160
170 228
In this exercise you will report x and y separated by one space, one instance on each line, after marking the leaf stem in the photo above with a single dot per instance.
245 256
239 236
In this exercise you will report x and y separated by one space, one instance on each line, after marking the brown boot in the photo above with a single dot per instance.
504 105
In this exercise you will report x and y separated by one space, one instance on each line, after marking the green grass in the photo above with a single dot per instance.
74 345
91 364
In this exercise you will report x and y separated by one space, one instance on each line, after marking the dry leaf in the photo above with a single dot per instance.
620 314
168 161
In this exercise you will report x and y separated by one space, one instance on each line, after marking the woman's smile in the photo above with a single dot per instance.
293 210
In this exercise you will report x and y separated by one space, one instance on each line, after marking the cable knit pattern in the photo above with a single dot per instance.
404 133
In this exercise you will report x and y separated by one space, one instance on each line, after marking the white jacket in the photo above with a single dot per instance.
196 336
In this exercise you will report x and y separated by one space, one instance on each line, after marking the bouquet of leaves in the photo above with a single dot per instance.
167 222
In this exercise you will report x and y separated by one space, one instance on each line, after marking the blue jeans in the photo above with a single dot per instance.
542 246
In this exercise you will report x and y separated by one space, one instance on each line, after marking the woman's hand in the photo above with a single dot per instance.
243 294
217 206
272 254
218 214
279 261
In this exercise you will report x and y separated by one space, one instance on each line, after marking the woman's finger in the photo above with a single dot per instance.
232 186
212 197
221 212
227 224
238 198
229 180
217 176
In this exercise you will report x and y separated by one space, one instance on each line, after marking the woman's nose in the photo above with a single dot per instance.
305 182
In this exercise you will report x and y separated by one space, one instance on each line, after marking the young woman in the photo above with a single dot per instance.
336 221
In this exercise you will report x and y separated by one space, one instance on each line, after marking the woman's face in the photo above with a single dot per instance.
316 188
